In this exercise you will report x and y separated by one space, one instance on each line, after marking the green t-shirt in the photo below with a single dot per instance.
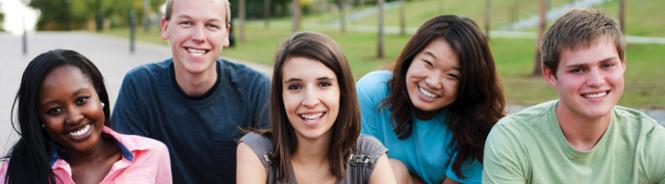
529 147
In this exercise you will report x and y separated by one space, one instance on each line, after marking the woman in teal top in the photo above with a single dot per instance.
435 109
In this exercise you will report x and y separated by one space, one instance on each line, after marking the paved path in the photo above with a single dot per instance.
110 54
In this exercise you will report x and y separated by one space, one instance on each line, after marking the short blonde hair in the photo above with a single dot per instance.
225 3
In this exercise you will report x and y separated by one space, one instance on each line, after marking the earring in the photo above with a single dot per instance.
103 104
43 126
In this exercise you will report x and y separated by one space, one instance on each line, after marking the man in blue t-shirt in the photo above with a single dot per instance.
194 102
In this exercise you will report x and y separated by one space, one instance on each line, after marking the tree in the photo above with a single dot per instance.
241 14
266 14
541 29
341 6
380 39
622 16
402 18
295 17
488 10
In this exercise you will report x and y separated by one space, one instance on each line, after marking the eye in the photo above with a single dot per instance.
294 87
54 111
212 26
185 23
453 76
608 65
428 63
577 70
325 84
82 100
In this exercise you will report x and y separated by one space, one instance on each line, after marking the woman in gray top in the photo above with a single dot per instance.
315 135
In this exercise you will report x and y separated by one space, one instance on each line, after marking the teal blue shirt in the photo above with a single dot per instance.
426 151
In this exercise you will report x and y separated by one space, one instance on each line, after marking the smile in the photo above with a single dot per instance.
197 52
595 95
311 116
81 131
427 93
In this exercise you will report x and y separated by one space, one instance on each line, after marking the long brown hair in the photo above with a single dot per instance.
480 102
345 130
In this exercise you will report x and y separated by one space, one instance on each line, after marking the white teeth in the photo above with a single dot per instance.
596 95
80 131
196 52
427 93
311 116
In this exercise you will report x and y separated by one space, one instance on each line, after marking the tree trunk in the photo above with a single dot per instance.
402 18
266 14
241 14
295 19
622 16
379 45
541 29
488 10
341 7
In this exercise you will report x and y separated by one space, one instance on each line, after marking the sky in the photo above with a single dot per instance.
18 15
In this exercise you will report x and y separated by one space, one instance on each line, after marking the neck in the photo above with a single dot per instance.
195 84
312 152
582 133
105 148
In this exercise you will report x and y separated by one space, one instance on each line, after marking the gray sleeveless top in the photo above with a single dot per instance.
359 167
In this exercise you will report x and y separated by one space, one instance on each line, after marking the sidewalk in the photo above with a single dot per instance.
110 54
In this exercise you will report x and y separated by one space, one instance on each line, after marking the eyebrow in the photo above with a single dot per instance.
583 64
297 79
430 54
188 17
76 93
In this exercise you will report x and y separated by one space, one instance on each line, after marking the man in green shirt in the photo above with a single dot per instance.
583 137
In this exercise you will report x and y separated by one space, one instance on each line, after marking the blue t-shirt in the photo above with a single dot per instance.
200 132
426 151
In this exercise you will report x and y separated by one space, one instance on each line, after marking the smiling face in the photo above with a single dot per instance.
311 97
433 77
589 80
197 31
71 110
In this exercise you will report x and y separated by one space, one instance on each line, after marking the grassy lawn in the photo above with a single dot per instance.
514 57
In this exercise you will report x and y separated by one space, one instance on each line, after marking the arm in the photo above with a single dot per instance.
249 167
127 113
501 162
382 172
164 162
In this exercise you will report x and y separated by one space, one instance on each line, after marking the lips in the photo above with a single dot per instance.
595 95
426 93
80 132
312 118
196 51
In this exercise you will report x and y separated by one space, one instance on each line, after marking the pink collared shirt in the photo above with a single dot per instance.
144 160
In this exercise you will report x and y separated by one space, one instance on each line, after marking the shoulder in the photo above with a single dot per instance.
135 142
375 79
240 73
536 114
257 142
150 69
370 146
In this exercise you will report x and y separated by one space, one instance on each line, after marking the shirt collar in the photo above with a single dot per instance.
124 150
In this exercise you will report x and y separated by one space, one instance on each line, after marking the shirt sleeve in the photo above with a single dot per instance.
127 114
654 153
164 170
368 108
501 159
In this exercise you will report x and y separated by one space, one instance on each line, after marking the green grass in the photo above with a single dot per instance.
514 57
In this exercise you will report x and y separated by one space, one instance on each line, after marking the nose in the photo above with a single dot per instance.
198 34
595 78
311 98
74 116
433 80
